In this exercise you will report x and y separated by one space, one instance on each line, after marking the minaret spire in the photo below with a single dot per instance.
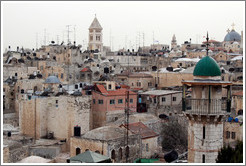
207 43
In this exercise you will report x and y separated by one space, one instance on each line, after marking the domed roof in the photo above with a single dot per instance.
52 80
207 66
232 36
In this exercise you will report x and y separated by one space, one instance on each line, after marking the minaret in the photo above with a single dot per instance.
206 110
174 43
95 36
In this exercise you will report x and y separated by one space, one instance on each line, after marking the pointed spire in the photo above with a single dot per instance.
207 43
95 24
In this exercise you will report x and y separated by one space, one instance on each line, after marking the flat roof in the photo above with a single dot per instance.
160 92
207 82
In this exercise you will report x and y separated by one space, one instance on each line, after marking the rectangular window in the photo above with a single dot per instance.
147 147
131 100
82 75
61 75
56 103
100 101
109 86
174 98
233 135
203 158
163 99
228 134
155 100
112 102
204 132
94 101
120 101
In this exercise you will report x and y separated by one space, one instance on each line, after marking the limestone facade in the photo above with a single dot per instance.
57 115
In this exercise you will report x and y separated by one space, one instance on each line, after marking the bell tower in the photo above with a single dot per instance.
95 36
174 43
206 110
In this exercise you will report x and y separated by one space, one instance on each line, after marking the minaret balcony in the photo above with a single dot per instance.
206 106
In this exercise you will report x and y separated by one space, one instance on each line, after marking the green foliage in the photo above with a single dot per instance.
174 136
230 155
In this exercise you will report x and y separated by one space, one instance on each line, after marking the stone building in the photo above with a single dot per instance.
162 101
184 62
206 110
164 78
108 103
86 75
233 132
54 117
140 81
148 139
95 36
237 102
109 141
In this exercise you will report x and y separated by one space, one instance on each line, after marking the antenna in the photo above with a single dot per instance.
68 41
36 40
110 40
44 36
207 44
57 39
74 28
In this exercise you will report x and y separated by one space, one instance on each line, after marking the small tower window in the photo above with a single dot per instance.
203 158
204 131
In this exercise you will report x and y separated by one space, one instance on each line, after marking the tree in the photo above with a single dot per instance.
231 155
174 136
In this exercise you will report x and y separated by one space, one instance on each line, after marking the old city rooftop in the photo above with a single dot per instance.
118 92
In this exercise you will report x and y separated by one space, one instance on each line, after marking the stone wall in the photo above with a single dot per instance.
55 114
197 146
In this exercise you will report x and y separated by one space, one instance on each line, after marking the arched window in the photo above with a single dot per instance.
113 154
86 150
78 151
127 151
97 151
120 154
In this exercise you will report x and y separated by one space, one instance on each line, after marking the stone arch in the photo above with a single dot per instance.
113 156
120 154
78 150
127 151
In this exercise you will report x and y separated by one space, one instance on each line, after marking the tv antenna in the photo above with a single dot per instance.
68 40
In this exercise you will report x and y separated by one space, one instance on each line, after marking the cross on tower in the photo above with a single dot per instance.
228 30
232 25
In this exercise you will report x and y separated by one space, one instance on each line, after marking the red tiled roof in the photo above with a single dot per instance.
85 70
240 93
124 86
211 41
101 88
140 128
119 92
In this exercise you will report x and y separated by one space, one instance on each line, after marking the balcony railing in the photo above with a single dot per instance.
206 106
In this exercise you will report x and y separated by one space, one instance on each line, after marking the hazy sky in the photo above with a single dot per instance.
23 23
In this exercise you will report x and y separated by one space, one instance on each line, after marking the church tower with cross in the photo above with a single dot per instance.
206 110
233 41
95 36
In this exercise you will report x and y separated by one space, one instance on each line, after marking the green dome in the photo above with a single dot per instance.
207 66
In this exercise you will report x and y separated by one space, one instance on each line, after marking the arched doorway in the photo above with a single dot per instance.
78 150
